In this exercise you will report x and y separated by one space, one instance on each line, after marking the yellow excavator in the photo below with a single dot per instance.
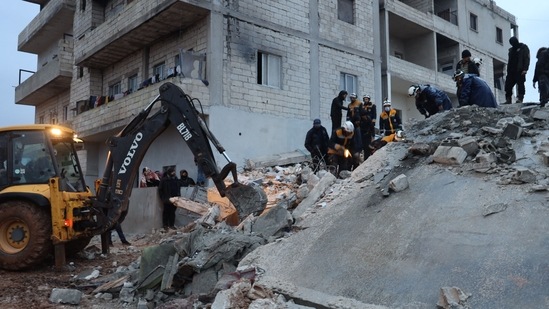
45 205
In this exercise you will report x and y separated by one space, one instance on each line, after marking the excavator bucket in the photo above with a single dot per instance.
247 199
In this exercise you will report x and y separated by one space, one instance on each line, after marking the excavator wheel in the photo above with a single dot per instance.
25 232
247 199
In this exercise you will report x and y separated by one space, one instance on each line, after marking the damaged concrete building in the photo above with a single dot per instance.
261 70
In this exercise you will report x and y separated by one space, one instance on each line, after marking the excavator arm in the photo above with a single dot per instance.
127 149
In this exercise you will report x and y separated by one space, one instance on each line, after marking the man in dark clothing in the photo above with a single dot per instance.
370 108
541 75
517 66
316 142
429 99
367 130
474 90
185 180
338 104
169 187
466 65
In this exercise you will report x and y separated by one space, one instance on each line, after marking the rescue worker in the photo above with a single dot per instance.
169 187
335 111
316 142
429 99
370 108
367 131
466 64
541 75
342 148
353 110
389 120
474 90
517 67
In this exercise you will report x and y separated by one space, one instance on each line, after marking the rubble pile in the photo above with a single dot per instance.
197 266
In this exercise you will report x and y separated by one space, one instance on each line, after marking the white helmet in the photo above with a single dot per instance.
353 96
458 74
477 61
413 90
386 103
399 135
348 127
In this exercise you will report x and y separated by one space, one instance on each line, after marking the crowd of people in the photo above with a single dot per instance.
347 144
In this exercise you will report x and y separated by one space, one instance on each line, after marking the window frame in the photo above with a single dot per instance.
473 22
162 67
343 13
113 86
266 64
499 35
131 87
344 83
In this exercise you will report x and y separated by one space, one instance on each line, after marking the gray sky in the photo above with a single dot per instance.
531 17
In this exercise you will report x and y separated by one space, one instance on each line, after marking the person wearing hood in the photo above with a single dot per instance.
335 112
517 67
541 75
316 142
474 90
185 180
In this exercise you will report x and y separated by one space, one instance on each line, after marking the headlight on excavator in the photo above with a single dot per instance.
56 132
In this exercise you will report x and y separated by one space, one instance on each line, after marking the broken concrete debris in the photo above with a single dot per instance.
197 266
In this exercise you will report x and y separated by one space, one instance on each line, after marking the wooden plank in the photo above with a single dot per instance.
169 272
189 205
111 284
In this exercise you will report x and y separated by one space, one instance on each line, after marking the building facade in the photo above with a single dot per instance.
422 41
262 69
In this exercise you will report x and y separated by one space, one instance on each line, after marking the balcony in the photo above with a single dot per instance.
138 25
49 25
100 122
50 80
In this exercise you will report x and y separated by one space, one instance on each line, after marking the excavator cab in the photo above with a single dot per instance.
41 188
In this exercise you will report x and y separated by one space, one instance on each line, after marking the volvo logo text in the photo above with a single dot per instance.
129 157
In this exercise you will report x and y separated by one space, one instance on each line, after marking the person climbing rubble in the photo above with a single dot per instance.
429 99
343 148
316 142
389 120
474 90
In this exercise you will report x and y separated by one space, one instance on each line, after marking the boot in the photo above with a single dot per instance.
508 99
519 99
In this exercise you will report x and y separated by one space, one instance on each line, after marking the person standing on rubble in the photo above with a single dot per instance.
370 108
367 130
389 120
316 142
169 187
338 104
343 149
517 67
474 90
466 64
429 99
185 180
541 75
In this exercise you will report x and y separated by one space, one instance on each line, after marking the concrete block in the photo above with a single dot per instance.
512 131
541 114
469 144
524 174
272 222
65 296
486 157
399 183
545 156
449 155
492 130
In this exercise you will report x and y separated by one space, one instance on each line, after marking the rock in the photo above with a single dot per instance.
65 296
452 298
399 183
524 174
274 221
512 131
495 208
449 155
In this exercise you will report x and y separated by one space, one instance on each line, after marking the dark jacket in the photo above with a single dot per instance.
542 65
390 122
519 59
185 181
169 187
474 90
367 126
469 68
372 112
338 105
317 137
430 99
353 112
339 140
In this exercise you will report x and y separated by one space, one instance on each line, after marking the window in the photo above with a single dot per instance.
132 83
345 11
115 88
348 82
80 72
499 35
158 71
447 68
41 119
269 69
65 113
473 21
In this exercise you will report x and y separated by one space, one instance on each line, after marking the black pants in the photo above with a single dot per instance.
168 215
543 88
512 80
336 123
366 142
120 233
